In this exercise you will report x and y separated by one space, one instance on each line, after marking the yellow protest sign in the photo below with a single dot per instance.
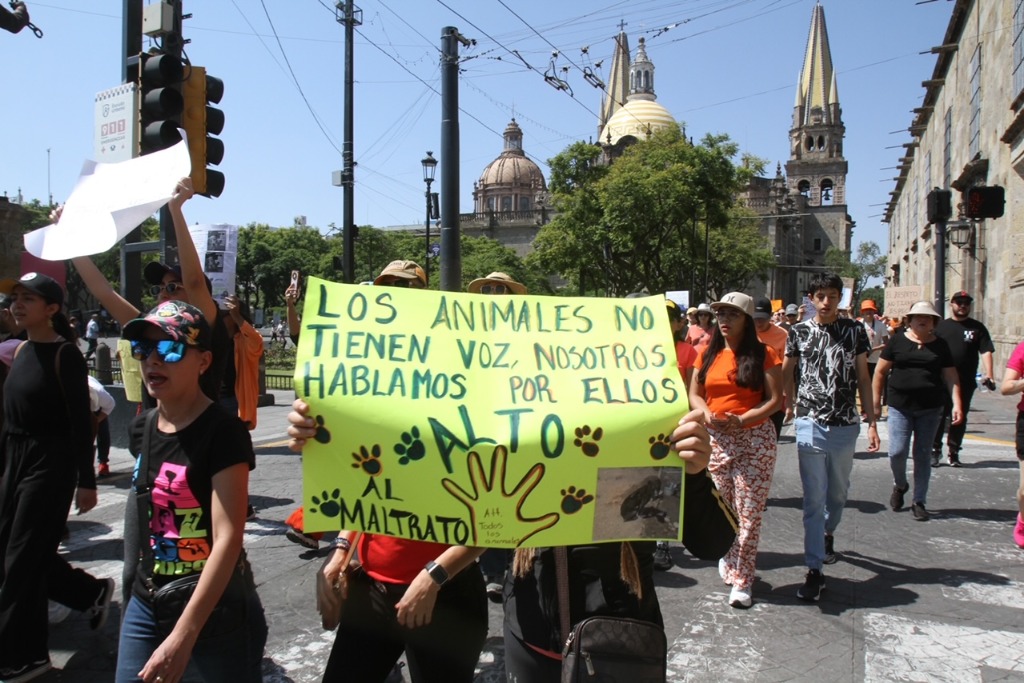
489 420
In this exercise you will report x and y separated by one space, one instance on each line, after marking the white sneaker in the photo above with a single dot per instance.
721 571
740 599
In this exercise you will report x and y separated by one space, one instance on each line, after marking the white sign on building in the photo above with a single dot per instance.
116 136
217 246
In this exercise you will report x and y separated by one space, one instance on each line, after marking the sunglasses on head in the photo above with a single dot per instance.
170 287
170 351
495 289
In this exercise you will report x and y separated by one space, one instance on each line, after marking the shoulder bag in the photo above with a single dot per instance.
607 648
169 601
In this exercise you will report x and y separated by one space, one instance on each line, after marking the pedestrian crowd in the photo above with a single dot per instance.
189 601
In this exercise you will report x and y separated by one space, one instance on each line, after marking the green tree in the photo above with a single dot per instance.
641 222
869 263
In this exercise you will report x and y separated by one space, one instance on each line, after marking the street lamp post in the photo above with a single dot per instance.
429 168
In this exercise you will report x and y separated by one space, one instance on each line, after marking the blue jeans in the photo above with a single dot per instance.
235 656
921 424
826 459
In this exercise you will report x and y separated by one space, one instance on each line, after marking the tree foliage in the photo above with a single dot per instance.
644 222
869 263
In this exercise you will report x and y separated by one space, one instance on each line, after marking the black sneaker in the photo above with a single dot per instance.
954 459
101 608
662 558
920 514
896 499
936 458
830 551
25 672
814 584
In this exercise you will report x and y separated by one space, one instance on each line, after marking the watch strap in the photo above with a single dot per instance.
437 573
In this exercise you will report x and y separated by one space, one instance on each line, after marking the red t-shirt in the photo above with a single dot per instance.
1016 362
685 355
396 560
721 392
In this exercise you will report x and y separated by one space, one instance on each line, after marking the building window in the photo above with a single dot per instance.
804 188
821 143
947 147
976 102
524 203
1018 46
817 244
827 192
810 143
928 169
506 203
490 203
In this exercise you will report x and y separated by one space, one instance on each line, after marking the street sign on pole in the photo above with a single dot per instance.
116 135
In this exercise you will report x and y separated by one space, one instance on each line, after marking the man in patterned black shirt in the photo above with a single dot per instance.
832 357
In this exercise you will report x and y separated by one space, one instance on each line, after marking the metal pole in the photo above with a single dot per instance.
707 256
426 231
131 42
451 252
348 171
940 268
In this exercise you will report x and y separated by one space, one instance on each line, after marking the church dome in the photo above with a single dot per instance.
638 119
510 182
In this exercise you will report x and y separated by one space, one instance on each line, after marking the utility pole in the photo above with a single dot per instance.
451 250
131 41
353 16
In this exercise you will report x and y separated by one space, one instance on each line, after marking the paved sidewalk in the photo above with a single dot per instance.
908 601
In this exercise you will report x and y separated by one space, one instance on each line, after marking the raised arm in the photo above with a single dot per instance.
119 308
191 269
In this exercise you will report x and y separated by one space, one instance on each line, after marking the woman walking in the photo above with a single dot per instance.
920 372
191 487
738 385
46 449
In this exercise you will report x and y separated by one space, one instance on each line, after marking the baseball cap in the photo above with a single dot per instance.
178 320
37 283
404 270
961 295
674 312
737 300
763 309
868 305
792 309
155 271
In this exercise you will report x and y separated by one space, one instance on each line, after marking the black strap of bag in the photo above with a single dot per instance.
143 496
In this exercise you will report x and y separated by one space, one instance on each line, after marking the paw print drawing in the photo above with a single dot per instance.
369 461
660 446
586 440
411 448
328 506
573 500
322 435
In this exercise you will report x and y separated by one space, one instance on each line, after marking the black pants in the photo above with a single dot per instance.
38 484
103 441
369 640
91 348
956 432
777 419
523 664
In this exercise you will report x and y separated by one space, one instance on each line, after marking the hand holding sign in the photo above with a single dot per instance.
491 499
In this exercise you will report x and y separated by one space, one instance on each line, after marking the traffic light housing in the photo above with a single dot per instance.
940 206
201 122
984 202
160 101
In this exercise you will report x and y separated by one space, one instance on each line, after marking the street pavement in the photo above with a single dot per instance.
908 601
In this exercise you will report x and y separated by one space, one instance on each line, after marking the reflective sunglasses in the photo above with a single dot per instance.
170 287
495 289
405 284
170 351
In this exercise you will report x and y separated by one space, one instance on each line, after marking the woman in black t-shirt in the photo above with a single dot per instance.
197 458
921 375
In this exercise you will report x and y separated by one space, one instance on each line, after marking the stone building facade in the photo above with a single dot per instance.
968 131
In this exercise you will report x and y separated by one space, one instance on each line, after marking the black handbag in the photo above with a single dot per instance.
607 649
169 601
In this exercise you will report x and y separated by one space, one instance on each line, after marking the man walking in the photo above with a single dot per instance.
832 357
92 335
968 339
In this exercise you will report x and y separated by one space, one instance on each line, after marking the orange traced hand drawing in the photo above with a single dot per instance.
485 497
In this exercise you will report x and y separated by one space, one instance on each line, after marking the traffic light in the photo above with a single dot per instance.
984 202
940 206
160 101
201 121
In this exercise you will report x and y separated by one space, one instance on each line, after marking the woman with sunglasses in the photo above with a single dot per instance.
738 385
46 447
191 481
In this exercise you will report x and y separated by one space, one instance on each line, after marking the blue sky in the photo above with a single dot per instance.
728 66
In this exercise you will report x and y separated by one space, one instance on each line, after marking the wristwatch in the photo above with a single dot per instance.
437 573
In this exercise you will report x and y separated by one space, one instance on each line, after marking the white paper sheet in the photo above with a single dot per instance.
109 201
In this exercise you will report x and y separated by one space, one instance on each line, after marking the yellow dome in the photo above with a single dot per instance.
636 118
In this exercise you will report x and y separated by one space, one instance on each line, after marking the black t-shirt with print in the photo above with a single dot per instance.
182 466
967 339
915 382
827 356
